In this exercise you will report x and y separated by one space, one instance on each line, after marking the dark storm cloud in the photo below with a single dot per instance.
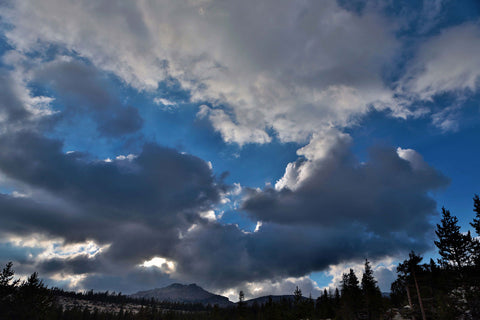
384 195
24 216
225 257
343 211
139 206
145 207
11 107
84 89
159 180
76 265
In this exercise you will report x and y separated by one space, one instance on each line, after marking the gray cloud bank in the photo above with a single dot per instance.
384 195
83 89
310 66
146 207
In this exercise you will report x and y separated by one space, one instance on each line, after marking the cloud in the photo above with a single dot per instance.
232 132
80 265
329 144
12 107
159 204
308 66
9 252
158 179
296 71
136 207
386 194
222 257
84 89
18 108
341 209
385 277
164 102
274 287
163 264
384 272
74 87
445 63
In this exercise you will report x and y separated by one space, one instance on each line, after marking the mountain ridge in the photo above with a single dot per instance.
183 293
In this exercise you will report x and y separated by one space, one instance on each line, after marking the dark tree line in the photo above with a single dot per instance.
29 299
449 288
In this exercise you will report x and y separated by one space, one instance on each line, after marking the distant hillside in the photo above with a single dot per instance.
184 293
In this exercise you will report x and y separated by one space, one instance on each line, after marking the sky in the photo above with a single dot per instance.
239 145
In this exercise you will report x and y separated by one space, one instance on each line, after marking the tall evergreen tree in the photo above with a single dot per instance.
476 208
241 302
408 271
33 299
453 246
476 225
336 300
325 305
6 277
298 304
7 290
350 302
371 293
241 297
368 281
297 295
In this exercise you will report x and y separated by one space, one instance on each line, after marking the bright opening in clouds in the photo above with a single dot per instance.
163 264
240 145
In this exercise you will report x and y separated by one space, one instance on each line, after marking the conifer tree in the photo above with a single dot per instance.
325 305
368 281
476 225
6 277
298 303
297 295
336 299
7 290
408 270
453 246
350 302
33 300
241 297
241 303
476 208
371 293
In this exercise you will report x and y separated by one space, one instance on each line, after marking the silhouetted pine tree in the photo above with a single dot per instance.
7 290
371 293
33 299
476 225
324 306
454 247
241 304
476 208
473 284
408 271
350 296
